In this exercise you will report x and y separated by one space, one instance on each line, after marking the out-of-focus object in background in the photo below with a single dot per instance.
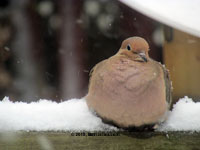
5 37
180 14
71 50
182 57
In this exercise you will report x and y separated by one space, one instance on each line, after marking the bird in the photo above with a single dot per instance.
130 89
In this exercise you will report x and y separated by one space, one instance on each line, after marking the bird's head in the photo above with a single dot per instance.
135 48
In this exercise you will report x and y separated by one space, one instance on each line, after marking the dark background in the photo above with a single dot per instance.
48 47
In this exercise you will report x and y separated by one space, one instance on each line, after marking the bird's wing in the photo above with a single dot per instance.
168 86
95 68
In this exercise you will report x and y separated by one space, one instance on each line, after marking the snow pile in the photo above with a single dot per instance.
44 115
180 14
185 116
74 115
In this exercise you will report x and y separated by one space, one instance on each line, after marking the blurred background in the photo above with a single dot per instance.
48 47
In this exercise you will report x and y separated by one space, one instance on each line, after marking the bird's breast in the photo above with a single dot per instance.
129 75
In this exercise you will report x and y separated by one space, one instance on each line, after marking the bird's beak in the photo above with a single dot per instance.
143 56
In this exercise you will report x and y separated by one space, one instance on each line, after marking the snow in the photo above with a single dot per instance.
45 115
180 14
185 116
74 115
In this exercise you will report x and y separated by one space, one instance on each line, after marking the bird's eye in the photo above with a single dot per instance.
128 47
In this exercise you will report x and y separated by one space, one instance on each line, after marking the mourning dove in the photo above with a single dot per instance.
130 89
